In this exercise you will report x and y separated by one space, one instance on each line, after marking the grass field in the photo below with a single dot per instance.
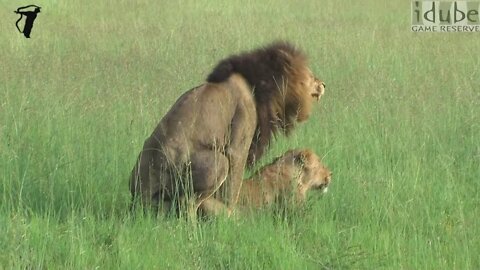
399 126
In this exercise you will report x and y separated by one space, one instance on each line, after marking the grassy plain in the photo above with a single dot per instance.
399 125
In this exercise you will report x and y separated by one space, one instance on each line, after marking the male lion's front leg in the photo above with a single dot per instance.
242 130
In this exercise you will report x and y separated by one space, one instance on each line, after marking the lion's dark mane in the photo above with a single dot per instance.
269 71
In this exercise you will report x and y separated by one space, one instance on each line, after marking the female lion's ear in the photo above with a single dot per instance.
301 156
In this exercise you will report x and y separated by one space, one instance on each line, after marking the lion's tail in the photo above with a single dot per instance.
221 72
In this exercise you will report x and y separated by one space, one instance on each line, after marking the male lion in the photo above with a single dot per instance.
205 139
287 179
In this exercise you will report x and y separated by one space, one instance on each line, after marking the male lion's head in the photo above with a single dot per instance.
283 87
313 90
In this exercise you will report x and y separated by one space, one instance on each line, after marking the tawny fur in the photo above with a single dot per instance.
202 144
287 179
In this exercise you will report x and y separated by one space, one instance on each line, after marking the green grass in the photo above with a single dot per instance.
399 125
